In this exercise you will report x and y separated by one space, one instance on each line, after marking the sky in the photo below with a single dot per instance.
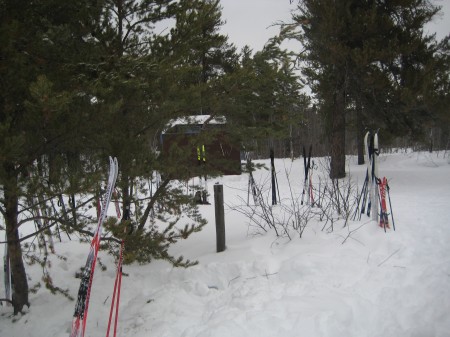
251 22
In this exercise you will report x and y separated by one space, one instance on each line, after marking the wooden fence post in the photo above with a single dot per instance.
220 217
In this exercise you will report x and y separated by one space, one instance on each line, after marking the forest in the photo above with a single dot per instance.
86 79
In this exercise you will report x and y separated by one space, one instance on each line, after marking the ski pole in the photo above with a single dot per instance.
359 199
304 183
390 206
364 196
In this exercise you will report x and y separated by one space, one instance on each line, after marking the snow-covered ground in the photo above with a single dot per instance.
354 281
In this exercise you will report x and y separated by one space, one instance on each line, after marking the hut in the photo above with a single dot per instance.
204 142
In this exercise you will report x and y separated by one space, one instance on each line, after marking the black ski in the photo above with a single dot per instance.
274 178
306 183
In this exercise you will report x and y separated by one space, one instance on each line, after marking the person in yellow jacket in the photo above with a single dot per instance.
202 197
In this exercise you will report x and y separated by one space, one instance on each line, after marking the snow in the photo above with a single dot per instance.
353 281
195 120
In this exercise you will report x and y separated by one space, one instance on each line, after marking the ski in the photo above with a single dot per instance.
64 212
252 187
368 175
306 183
370 168
375 195
372 152
384 220
274 179
7 275
312 167
82 305
42 221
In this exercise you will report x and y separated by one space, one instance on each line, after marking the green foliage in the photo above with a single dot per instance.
55 289
80 81
44 263
191 58
174 218
378 53
372 58
38 48
262 97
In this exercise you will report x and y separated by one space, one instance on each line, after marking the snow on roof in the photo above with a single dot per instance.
195 120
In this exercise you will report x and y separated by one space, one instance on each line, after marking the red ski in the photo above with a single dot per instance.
82 305
384 220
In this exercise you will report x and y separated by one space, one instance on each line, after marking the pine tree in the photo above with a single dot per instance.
196 54
39 44
133 87
366 55
263 97
193 58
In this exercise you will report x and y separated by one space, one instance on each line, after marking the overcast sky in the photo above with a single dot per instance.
250 22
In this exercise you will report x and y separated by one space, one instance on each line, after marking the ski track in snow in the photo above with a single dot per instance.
375 284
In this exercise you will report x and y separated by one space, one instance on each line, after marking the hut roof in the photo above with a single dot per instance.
192 124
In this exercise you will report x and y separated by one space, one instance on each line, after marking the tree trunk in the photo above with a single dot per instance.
338 135
18 275
359 133
126 189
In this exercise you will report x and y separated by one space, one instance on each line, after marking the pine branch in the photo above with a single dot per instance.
152 202
79 230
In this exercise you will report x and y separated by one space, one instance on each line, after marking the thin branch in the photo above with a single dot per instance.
131 28
49 218
350 232
82 231
389 257
29 235
152 202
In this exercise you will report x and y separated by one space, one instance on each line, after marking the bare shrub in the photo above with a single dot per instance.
335 200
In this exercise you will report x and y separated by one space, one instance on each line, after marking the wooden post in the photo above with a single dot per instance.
220 217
